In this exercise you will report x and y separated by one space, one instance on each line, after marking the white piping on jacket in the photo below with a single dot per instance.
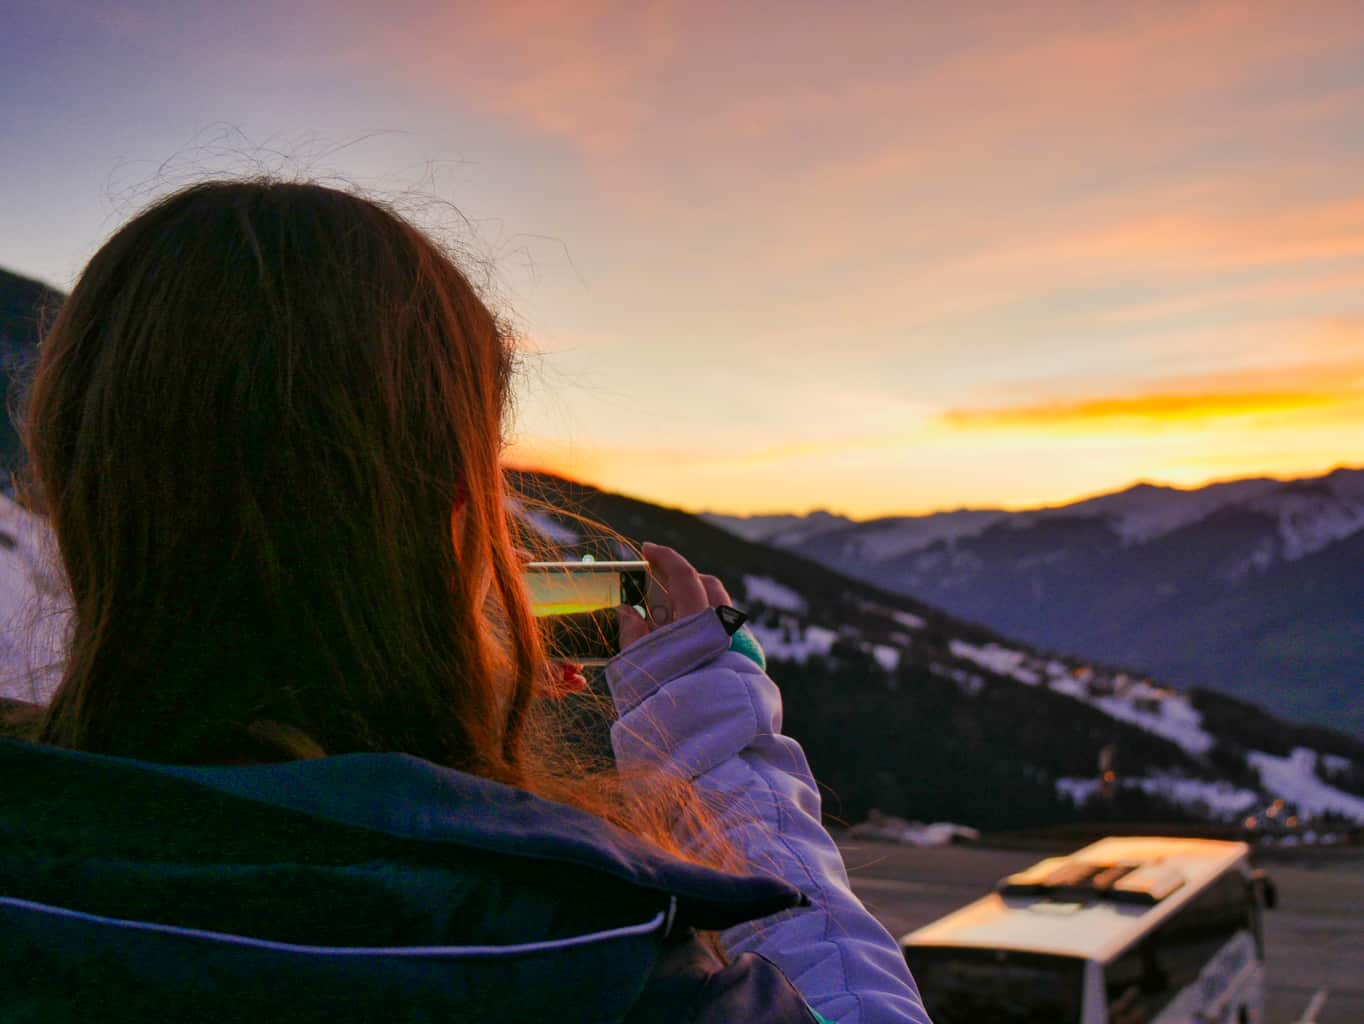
626 931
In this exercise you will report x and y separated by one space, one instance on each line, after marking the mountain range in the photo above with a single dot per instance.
911 710
901 703
1253 587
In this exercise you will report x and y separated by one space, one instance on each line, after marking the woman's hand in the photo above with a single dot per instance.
675 591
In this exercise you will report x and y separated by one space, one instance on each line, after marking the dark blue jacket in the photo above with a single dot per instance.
374 887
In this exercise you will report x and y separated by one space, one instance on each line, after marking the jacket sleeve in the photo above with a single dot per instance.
684 700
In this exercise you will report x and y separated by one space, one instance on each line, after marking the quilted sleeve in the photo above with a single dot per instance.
685 700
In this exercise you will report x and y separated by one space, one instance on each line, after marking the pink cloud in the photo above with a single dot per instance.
600 75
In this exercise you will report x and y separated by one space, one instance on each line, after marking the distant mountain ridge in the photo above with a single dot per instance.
1254 587
899 704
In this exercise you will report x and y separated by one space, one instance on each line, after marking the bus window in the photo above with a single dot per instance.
1260 893
1141 982
1195 935
1136 986
966 986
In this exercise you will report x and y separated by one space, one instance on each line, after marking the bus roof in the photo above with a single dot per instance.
1095 926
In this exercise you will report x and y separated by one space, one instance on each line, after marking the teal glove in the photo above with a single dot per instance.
747 644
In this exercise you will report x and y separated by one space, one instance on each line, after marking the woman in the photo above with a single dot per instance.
300 764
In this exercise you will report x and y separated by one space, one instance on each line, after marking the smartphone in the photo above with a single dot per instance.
578 601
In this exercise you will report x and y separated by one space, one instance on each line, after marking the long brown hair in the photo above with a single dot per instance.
251 425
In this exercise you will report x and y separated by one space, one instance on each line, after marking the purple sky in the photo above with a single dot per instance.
861 256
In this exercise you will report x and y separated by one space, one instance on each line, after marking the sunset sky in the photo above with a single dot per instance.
872 257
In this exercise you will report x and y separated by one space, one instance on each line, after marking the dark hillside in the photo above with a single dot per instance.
26 308
935 732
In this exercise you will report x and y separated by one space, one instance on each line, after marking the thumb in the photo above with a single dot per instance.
632 625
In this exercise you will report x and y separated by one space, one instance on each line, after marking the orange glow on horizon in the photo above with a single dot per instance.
1286 421
1152 412
699 492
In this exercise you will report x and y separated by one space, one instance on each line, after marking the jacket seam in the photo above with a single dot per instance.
795 854
443 952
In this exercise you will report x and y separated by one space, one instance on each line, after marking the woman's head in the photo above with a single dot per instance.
252 425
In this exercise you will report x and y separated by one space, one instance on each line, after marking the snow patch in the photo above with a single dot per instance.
1311 521
1069 686
1221 799
1167 715
886 539
549 527
1002 660
1260 558
952 566
781 530
821 640
33 616
762 590
967 682
1146 512
888 828
1293 779
787 644
992 656
887 656
1335 763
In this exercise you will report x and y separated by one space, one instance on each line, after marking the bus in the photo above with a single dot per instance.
1143 930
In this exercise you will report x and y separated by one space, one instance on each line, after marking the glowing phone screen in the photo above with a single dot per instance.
578 600
559 588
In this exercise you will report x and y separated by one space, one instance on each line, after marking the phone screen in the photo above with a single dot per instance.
577 602
569 592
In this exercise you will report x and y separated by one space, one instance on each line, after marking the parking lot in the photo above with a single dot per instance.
1314 938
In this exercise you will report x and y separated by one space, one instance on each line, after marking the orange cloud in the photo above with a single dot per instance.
1150 409
1188 402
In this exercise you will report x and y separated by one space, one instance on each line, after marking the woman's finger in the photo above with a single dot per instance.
679 590
565 677
633 626
656 605
716 593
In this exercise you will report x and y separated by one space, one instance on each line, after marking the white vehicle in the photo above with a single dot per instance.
1125 931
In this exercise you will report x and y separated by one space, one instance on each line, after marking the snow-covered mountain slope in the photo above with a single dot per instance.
1249 586
782 530
1313 514
880 540
32 622
1144 512
899 704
